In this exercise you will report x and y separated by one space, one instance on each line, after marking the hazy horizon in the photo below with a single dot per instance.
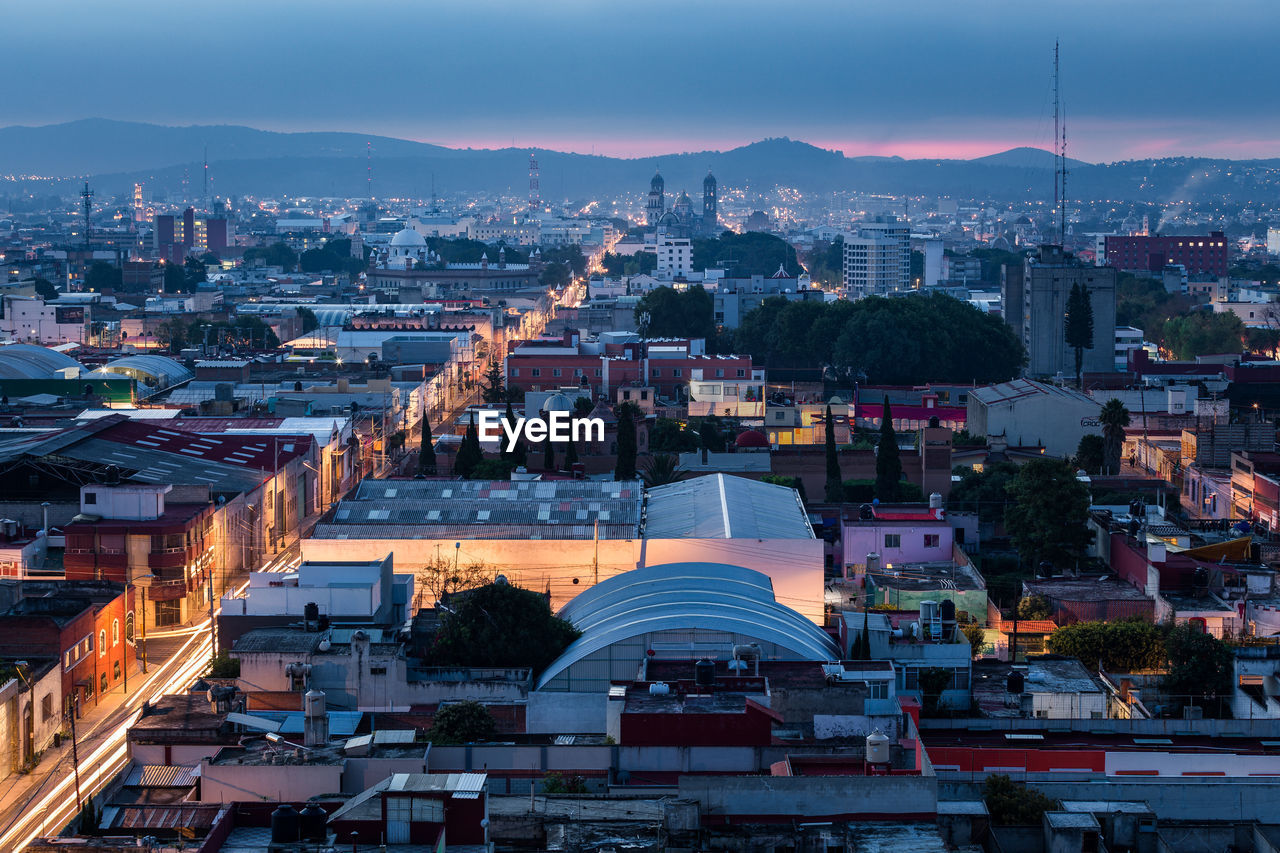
1139 79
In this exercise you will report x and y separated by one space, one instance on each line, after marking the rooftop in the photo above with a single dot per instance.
719 506
947 574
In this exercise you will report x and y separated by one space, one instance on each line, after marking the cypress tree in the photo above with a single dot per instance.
548 455
427 452
469 453
835 483
509 418
888 463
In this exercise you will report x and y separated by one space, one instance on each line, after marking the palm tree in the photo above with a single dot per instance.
1114 417
661 468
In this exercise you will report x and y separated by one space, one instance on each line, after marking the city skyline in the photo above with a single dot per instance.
579 77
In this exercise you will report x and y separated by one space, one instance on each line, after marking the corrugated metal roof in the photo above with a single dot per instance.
679 596
178 816
161 776
719 506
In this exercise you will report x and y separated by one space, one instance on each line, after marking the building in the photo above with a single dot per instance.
1033 413
87 626
734 298
1204 254
567 535
877 258
32 320
915 642
675 257
31 710
680 220
350 593
408 263
1047 283
672 612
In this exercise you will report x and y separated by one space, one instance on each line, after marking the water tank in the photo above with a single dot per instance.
284 824
873 562
948 610
1044 569
866 513
1015 683
314 823
311 613
322 624
659 688
935 501
313 704
1200 579
223 392
704 673
877 748
928 611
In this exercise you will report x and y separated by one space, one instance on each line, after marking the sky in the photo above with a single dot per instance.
925 78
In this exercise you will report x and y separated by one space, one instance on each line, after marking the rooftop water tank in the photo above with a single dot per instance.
285 824
877 748
704 673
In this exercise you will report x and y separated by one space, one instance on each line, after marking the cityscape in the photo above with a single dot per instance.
614 429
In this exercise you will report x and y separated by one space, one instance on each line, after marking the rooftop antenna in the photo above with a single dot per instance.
87 195
368 157
1059 152
204 198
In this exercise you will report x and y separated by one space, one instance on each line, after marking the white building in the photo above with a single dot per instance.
351 591
877 258
1029 413
36 321
1062 690
675 257
1273 241
1128 339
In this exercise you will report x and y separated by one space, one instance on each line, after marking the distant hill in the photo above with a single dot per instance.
115 154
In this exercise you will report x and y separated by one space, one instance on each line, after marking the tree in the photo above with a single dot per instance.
463 722
977 637
570 454
1114 417
426 451
1200 667
1079 324
1203 333
985 492
469 452
1265 341
275 255
175 279
1125 645
1048 512
1012 804
888 462
710 435
500 625
661 469
45 289
172 334
493 384
670 436
558 783
625 469
445 575
1034 607
309 321
1091 453
790 482
672 313
492 469
102 276
933 683
224 666
194 273
548 455
835 483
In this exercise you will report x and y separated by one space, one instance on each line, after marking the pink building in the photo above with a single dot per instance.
899 534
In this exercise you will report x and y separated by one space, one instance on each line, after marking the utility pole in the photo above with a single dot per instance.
86 196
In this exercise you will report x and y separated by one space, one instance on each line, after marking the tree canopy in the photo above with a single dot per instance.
462 722
744 255
888 461
275 255
1013 804
500 625
898 341
1203 333
673 313
1079 324
333 256
1048 512
985 492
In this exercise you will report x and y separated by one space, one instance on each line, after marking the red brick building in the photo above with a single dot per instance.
1200 254
87 626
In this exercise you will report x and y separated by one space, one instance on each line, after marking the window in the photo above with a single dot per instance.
626 395
644 395
115 670
893 540
719 372
677 372
577 372
741 373
515 371
877 690
46 708
90 498
377 670
128 627
103 686
115 633
599 372
537 371
102 643
555 371
655 372
931 540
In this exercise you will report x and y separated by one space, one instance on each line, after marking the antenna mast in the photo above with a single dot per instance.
1059 152
87 195
535 201
204 197
368 159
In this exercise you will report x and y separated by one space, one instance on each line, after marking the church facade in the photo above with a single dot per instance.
679 220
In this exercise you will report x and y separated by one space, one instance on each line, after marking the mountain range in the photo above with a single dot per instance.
113 155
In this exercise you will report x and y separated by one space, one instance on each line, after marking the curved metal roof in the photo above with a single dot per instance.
680 596
162 371
27 361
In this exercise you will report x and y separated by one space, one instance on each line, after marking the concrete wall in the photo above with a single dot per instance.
227 783
749 799
560 713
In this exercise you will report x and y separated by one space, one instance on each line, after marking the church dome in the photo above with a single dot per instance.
408 238
657 184
752 438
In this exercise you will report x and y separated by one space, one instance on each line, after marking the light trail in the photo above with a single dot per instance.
56 807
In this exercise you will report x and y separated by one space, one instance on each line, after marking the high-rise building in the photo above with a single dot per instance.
1047 282
1273 241
877 258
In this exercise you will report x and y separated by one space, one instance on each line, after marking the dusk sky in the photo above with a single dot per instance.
919 79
